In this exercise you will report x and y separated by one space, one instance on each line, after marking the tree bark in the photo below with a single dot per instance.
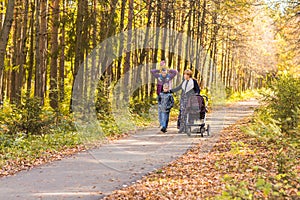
53 94
123 4
158 17
31 50
38 91
79 51
62 56
24 49
129 38
43 48
5 30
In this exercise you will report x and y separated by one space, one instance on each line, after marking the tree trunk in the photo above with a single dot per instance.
149 15
19 58
31 50
201 36
62 56
1 14
16 36
187 43
157 33
121 44
38 91
79 52
129 37
165 30
53 94
43 47
5 30
24 49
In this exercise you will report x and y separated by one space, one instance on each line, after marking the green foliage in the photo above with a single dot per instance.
104 110
117 119
239 148
285 159
268 187
29 133
283 101
27 118
235 190
276 123
14 148
264 186
108 125
30 118
232 97
141 107
229 91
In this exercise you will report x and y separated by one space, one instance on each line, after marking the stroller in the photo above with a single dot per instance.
195 115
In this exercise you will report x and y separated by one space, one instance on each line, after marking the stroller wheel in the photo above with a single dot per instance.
188 131
208 129
202 129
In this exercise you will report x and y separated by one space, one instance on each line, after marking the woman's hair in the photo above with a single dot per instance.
188 72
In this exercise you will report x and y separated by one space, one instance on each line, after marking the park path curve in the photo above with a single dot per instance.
93 174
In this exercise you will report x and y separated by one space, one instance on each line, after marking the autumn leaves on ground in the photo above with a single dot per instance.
239 166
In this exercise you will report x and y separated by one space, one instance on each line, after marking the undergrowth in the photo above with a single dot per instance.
276 125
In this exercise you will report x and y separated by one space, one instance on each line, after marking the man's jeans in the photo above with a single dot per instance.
164 119
159 117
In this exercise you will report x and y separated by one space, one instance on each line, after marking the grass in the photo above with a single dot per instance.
241 96
22 152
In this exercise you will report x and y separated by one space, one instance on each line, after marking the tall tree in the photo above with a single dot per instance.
41 49
129 38
4 34
43 40
38 83
24 49
54 56
14 94
79 49
31 50
62 54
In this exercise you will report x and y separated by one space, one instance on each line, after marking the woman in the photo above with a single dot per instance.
189 87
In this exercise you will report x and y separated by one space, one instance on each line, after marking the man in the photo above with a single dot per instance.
163 76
